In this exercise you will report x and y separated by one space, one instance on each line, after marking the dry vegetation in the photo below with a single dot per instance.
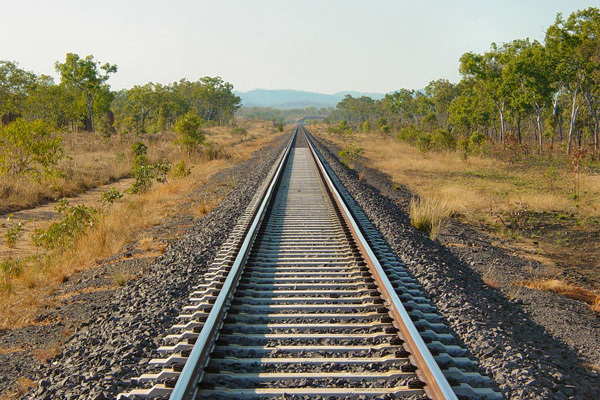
126 220
529 203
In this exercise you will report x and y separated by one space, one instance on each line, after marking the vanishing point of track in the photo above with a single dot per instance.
306 301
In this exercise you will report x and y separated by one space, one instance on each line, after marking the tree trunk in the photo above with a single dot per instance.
595 116
90 121
519 128
574 110
502 128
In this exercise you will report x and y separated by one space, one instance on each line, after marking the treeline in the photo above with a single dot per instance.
83 100
282 115
527 93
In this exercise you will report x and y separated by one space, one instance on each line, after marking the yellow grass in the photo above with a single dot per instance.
476 186
122 223
429 215
566 289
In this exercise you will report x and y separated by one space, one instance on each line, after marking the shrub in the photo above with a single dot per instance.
239 131
14 231
30 148
442 140
366 126
408 134
280 126
429 215
73 222
342 129
9 268
191 136
423 141
181 170
350 153
381 123
111 195
144 171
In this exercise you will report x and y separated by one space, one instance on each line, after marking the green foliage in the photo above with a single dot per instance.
87 77
181 170
139 149
191 136
408 134
366 126
442 140
111 195
74 220
30 148
14 231
9 268
280 126
342 129
239 131
350 153
145 173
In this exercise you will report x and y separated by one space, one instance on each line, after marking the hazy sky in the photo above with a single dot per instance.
325 46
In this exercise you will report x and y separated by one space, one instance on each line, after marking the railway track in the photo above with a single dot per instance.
306 300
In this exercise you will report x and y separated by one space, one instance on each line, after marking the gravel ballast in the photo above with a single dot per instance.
121 333
535 344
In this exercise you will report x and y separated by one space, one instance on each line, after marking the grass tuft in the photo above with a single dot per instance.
566 289
429 215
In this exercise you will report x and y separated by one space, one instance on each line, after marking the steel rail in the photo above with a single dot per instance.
186 387
437 386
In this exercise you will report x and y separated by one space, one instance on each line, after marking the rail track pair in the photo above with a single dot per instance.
306 300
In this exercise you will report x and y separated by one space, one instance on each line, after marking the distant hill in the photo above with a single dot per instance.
287 98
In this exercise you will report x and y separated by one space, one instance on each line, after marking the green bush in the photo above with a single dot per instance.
423 141
239 131
74 221
30 148
191 136
111 195
350 153
408 134
14 231
366 126
442 140
144 171
181 170
9 269
342 129
280 126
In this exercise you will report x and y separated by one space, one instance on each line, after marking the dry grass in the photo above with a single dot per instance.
93 161
566 289
122 223
46 353
478 184
429 215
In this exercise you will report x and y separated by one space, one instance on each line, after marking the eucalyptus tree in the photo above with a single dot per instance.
88 77
573 46
486 73
441 93
15 84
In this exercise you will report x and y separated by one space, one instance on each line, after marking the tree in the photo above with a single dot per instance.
442 93
143 100
88 76
190 134
15 84
29 148
573 46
